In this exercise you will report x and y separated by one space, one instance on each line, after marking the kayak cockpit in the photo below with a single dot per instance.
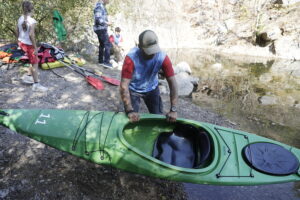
177 144
186 146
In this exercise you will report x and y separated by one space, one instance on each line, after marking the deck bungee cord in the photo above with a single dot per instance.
79 132
229 151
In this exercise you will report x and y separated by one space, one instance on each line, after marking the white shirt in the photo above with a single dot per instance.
24 35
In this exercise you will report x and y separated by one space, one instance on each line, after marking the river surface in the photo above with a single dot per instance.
258 95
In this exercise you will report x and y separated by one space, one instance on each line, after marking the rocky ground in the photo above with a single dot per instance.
31 170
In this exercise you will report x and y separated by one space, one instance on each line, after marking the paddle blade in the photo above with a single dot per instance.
112 81
96 83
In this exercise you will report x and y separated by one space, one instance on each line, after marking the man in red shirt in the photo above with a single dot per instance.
140 78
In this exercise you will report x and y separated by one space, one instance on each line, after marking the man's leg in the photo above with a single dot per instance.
107 46
153 101
101 46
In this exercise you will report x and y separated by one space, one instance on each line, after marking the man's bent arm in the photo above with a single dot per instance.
173 90
125 95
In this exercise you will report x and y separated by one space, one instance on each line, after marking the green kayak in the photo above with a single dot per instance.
185 151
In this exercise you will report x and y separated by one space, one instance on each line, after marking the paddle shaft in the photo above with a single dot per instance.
91 80
72 68
103 78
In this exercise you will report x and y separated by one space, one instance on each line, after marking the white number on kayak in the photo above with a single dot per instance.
41 119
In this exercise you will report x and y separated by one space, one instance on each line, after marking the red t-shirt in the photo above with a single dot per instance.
128 67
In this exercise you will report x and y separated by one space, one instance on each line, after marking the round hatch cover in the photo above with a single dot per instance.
271 159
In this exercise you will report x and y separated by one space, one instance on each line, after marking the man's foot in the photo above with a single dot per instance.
107 65
27 79
39 87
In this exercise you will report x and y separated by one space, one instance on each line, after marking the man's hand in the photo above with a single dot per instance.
171 116
133 116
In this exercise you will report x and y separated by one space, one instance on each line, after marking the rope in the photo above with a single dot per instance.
102 151
102 157
218 175
77 135
79 132
75 140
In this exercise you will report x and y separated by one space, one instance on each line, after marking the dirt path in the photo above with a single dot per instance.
31 170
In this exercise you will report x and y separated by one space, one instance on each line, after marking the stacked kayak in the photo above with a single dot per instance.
185 151
69 60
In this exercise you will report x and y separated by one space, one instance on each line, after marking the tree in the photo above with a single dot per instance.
11 10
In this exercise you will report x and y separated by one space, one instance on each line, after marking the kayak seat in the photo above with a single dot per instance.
186 146
271 159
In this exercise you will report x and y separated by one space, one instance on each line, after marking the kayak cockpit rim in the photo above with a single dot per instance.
208 168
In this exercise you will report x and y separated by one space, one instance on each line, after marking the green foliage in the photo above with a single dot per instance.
11 10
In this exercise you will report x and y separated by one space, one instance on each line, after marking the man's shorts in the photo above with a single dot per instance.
29 50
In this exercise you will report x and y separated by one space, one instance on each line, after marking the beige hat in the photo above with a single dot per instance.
148 41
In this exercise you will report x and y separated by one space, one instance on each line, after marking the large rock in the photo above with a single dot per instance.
287 71
276 2
268 100
288 47
230 23
295 68
163 87
217 66
89 51
182 67
289 2
186 83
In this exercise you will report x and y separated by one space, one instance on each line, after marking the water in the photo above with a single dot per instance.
259 96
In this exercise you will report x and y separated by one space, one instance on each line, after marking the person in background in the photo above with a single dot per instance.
140 78
100 28
116 40
27 42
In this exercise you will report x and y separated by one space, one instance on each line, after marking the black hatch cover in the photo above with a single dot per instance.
271 159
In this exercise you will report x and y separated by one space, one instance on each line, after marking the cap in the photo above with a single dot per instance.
148 41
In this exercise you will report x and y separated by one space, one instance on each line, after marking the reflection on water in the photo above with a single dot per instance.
261 96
